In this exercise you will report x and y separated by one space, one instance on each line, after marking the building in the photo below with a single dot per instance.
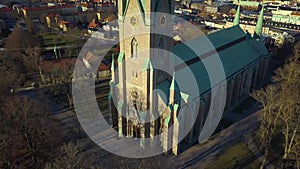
245 60
285 16
251 26
37 12
6 12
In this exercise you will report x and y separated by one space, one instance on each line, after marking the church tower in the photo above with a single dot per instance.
142 27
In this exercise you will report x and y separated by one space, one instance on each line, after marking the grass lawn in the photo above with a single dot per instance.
49 39
235 156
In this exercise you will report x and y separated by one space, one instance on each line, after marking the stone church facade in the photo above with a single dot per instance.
134 81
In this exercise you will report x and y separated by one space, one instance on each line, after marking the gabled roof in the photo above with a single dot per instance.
234 49
47 7
217 39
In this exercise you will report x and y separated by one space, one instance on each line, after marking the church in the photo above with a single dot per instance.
140 91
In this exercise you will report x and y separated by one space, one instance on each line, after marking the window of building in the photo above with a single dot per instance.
134 48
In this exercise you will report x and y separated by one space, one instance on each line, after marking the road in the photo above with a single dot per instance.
201 155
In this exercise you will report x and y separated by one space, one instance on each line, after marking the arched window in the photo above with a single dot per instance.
134 46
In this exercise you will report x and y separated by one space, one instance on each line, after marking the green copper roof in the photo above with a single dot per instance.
110 95
121 57
143 115
234 50
184 96
217 40
125 7
143 4
237 16
146 64
259 24
176 107
167 120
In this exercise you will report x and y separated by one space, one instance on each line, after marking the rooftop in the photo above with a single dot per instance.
231 46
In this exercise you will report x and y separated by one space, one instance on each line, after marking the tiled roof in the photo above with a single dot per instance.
5 9
47 7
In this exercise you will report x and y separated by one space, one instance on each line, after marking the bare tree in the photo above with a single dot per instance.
19 40
281 112
59 76
72 157
24 47
29 25
28 135
10 72
75 40
270 118
288 77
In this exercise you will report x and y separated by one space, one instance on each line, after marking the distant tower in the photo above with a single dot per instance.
210 2
259 24
237 16
136 78
236 2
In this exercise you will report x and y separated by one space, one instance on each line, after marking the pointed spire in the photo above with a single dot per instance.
237 16
172 91
112 68
259 24
172 87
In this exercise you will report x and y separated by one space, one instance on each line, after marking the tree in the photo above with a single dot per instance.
18 40
24 47
232 11
29 25
32 59
10 72
28 135
75 40
288 77
59 76
281 112
268 97
72 157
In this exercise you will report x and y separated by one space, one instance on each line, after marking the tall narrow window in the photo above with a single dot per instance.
134 46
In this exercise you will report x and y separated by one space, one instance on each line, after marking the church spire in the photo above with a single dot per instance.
259 24
112 68
172 90
237 16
